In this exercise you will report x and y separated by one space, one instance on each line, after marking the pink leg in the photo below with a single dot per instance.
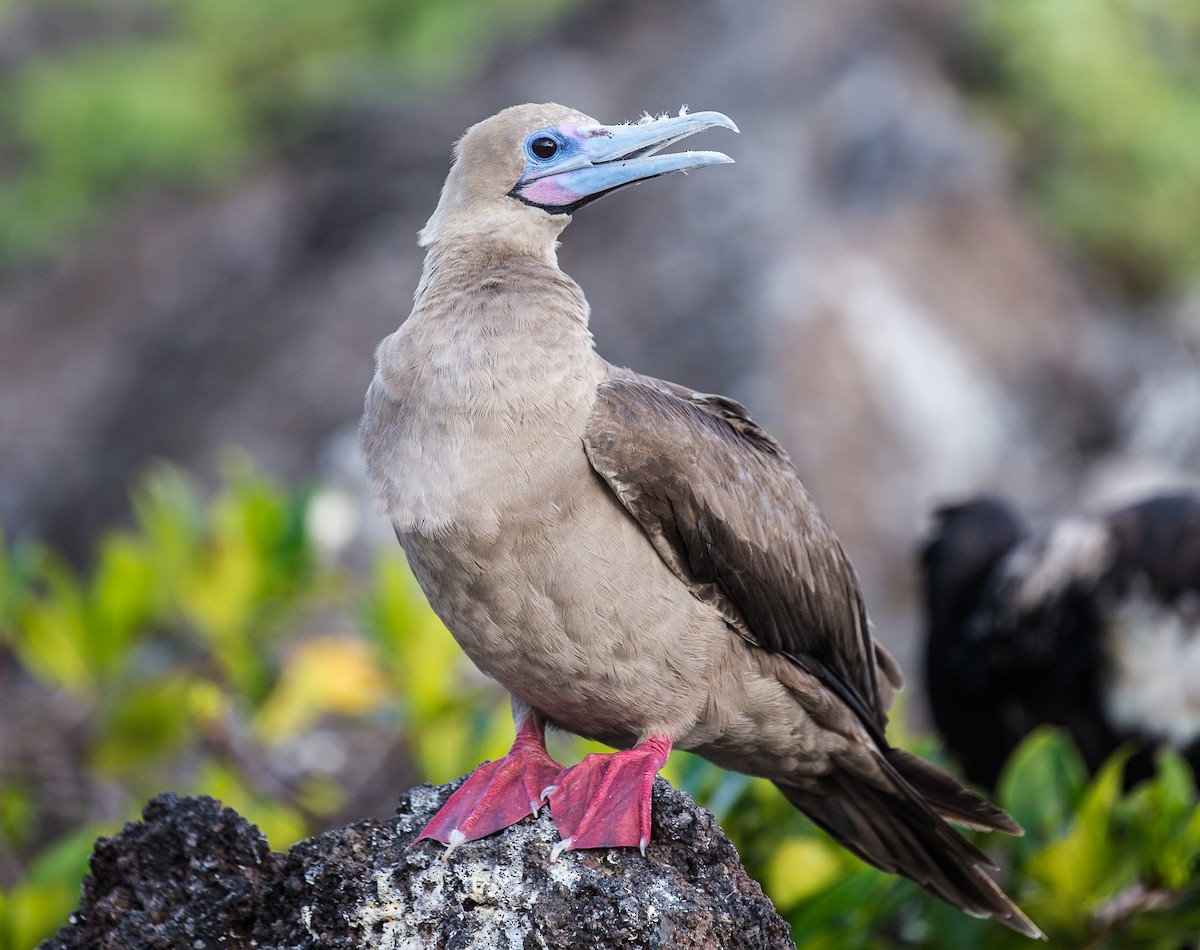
604 801
498 794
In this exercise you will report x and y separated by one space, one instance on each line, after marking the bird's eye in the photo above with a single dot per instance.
544 147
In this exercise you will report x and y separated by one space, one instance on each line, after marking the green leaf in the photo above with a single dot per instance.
1162 821
802 867
1041 785
120 602
1106 97
1090 863
66 860
141 727
52 638
30 914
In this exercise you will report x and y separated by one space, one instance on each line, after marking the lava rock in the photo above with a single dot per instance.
190 874
196 875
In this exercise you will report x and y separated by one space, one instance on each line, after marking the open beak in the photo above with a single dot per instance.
569 166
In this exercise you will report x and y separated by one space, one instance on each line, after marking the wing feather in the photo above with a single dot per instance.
725 508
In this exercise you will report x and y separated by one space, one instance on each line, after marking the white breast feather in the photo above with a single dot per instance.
1154 669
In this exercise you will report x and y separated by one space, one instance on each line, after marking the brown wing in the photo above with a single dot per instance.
725 508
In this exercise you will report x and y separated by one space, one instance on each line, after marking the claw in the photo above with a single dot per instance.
456 838
558 849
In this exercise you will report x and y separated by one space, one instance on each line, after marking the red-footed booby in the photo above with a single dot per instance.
634 561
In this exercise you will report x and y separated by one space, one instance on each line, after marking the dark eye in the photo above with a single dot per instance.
544 147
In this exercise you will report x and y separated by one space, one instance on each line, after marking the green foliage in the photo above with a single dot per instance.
214 583
171 649
209 644
197 87
1104 96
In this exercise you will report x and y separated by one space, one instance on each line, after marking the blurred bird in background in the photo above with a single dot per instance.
1091 623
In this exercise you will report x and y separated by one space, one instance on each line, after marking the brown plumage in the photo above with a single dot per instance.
634 561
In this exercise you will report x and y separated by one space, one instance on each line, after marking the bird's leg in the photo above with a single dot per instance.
604 801
501 793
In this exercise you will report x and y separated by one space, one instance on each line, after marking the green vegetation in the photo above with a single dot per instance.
1104 98
186 91
1096 868
212 642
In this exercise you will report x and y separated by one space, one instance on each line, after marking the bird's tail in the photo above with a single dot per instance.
897 822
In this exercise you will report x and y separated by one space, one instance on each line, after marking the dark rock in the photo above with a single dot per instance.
195 875
191 874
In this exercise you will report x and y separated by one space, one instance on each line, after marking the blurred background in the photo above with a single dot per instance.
959 251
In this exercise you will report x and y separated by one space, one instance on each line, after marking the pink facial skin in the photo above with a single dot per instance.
548 192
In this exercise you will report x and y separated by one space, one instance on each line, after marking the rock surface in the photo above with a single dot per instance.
195 875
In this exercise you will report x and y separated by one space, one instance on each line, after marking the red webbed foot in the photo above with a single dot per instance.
498 794
604 801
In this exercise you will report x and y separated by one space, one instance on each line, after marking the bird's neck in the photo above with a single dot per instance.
487 238
488 385
493 334
488 285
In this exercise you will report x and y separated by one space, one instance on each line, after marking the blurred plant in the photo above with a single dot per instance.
1104 96
212 650
166 654
188 90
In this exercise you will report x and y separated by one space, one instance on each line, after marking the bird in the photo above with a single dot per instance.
1090 623
635 561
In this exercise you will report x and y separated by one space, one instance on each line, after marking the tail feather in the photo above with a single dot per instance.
889 824
949 798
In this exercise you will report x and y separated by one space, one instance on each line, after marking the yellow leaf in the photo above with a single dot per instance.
206 702
332 674
801 867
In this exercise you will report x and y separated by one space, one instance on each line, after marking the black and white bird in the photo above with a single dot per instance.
1092 624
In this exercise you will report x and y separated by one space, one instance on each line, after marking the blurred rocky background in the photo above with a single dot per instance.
958 252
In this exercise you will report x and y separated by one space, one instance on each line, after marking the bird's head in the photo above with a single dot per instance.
523 172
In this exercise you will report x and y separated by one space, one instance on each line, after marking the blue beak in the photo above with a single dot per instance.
569 166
